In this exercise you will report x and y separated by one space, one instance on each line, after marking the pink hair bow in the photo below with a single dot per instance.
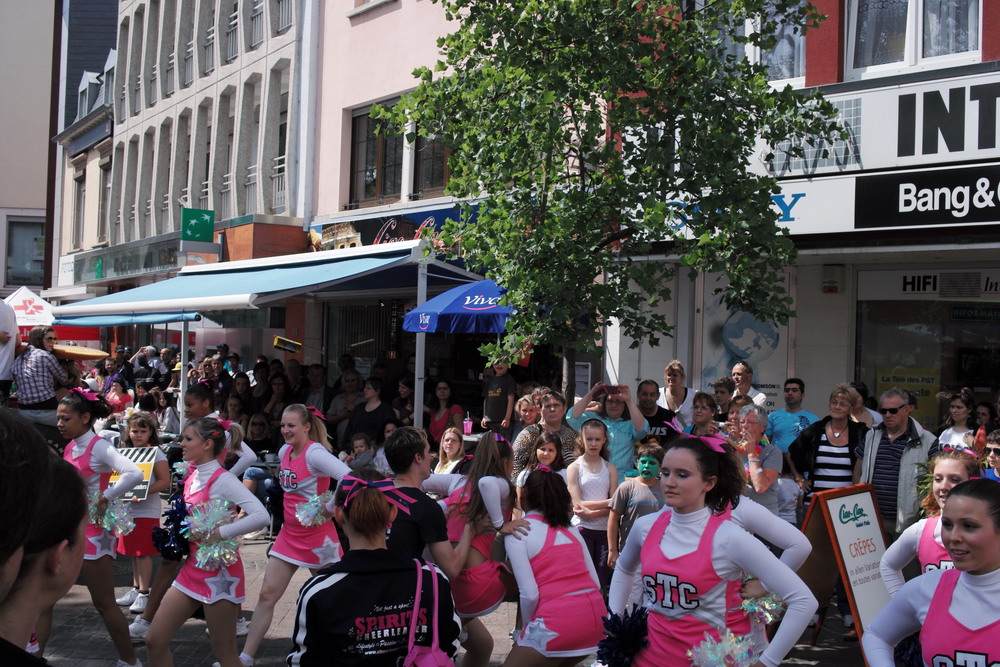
315 413
353 486
89 395
226 424
543 468
714 442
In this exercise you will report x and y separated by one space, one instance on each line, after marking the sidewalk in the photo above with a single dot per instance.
80 640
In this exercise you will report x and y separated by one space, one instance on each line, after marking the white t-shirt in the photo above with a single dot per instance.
8 323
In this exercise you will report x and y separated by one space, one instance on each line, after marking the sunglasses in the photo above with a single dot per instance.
51 338
995 451
890 411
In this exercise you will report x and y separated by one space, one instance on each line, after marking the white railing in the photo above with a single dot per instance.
188 66
209 50
152 85
121 102
137 94
203 195
165 202
250 189
284 14
185 197
168 75
232 37
257 23
226 196
278 186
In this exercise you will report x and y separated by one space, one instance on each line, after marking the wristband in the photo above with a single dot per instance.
753 460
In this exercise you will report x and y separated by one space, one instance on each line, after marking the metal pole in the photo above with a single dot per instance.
418 389
184 372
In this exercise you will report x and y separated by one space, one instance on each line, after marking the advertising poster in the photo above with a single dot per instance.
922 383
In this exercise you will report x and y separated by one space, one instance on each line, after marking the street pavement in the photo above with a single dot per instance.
79 638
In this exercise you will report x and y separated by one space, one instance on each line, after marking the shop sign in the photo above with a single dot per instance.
921 198
975 313
404 225
930 285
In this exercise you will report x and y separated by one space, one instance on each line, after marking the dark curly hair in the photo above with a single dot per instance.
728 472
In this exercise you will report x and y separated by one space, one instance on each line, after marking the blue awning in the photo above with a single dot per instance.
255 283
120 320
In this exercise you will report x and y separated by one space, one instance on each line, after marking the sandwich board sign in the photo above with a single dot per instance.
144 457
844 527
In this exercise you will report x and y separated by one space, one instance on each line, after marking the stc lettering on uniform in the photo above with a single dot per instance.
288 478
963 659
666 590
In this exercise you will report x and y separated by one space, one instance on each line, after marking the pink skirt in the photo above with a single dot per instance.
478 590
311 547
568 625
208 586
140 541
100 543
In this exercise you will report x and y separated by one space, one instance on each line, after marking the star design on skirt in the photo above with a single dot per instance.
104 542
328 552
537 635
223 584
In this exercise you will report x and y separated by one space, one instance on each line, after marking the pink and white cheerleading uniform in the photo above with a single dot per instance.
210 481
477 590
691 566
956 613
560 601
301 478
923 541
95 458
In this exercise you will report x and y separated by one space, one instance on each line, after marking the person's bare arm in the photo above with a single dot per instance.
613 519
451 559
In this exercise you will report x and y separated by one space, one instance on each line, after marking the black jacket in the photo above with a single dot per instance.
357 612
804 448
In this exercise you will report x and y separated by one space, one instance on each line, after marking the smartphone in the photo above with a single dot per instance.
600 391
614 390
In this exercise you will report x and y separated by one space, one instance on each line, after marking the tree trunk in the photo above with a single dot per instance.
569 375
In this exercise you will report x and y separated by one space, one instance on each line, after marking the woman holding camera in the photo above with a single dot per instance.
622 417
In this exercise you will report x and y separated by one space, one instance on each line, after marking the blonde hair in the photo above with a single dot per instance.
675 365
317 429
461 449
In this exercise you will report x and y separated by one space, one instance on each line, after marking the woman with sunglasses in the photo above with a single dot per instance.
37 373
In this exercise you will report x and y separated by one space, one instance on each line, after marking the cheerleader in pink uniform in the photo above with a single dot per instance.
95 458
306 468
692 560
922 540
561 601
956 611
482 490
219 591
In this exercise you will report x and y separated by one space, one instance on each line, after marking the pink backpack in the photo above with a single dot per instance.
425 656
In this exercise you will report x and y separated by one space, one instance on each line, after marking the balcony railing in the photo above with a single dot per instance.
250 189
137 95
284 15
121 102
226 197
278 186
188 65
203 195
232 37
209 50
168 75
152 85
184 198
257 23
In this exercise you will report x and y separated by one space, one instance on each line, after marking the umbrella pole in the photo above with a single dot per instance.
418 388
184 372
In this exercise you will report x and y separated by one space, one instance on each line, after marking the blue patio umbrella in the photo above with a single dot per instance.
470 308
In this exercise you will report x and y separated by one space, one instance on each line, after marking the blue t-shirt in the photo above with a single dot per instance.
784 426
991 474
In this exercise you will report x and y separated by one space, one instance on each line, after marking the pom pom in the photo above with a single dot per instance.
625 636
116 518
310 513
201 522
767 609
729 650
181 469
169 540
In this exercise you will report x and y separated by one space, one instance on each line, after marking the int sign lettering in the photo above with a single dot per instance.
945 120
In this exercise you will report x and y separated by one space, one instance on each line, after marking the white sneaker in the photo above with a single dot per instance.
128 598
245 660
137 630
242 627
122 663
140 603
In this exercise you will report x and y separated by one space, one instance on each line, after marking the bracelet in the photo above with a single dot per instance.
753 460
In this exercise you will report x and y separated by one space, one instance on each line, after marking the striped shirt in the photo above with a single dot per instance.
833 466
885 476
36 373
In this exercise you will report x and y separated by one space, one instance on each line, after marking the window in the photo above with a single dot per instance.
79 211
886 35
787 60
103 221
431 166
25 251
376 163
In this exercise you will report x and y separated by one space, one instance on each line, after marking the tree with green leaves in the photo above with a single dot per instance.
594 138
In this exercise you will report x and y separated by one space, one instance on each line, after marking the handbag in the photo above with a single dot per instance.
425 656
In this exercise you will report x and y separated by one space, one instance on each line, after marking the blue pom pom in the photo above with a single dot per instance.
625 636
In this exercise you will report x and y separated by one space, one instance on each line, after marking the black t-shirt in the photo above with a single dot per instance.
496 389
659 424
425 524
15 656
372 423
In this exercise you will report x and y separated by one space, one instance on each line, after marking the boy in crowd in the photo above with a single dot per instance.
635 497
499 393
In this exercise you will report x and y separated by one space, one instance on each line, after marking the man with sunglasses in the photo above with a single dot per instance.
889 459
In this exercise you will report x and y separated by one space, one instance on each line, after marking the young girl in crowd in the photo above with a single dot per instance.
141 432
219 591
52 556
956 611
547 452
167 418
959 429
560 593
234 411
451 451
923 540
592 482
96 458
306 468
706 555
337 620
483 490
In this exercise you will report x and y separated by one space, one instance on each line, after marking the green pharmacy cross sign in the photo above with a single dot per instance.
197 225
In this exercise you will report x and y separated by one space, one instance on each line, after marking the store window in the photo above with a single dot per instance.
431 166
25 251
886 35
376 163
